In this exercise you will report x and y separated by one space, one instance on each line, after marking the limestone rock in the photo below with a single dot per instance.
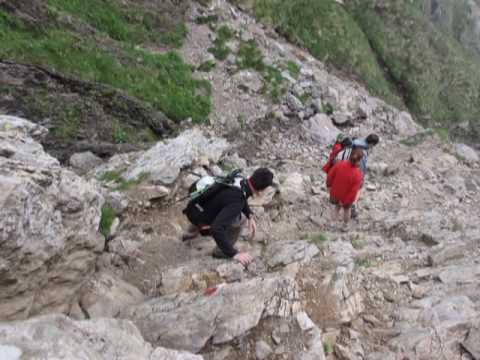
49 219
84 162
262 350
249 80
282 253
59 337
164 161
472 343
404 124
25 128
222 316
293 188
321 129
467 153
105 295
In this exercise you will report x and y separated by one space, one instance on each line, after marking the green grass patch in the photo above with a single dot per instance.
220 49
327 348
318 239
207 66
365 263
439 80
331 34
122 184
175 37
327 108
164 81
358 243
106 220
293 69
249 56
206 19
128 24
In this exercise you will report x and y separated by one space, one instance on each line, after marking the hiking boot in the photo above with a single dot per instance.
191 233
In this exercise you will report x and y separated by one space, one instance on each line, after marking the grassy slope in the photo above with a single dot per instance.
441 81
391 47
164 81
330 34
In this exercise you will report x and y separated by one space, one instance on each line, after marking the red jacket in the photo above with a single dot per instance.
337 147
344 181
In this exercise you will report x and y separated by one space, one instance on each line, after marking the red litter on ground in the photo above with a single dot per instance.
209 291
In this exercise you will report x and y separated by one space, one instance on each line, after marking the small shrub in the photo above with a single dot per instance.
327 108
207 66
293 69
119 136
175 37
318 239
106 220
249 56
327 348
366 263
357 243
207 19
220 50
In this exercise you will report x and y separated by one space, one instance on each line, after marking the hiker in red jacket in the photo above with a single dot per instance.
344 181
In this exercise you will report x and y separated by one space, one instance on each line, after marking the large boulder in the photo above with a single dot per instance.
58 337
467 153
105 295
188 321
49 219
321 129
164 161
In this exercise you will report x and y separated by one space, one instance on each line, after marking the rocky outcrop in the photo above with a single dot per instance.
49 219
58 337
220 315
164 161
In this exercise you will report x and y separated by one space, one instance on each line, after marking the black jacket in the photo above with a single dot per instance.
220 212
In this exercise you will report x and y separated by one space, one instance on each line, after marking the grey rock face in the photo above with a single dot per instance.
321 129
188 320
84 162
262 350
283 253
49 219
58 337
467 153
164 161
105 295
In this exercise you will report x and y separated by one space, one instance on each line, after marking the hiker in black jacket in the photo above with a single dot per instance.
223 216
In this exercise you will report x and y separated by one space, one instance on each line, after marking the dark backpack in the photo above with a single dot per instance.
204 189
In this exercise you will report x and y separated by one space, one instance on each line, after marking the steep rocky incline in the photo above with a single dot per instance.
401 282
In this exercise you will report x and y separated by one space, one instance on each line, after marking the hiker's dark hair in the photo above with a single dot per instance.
261 179
356 155
372 139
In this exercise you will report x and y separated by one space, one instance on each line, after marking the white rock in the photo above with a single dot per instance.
84 162
49 219
321 129
59 337
467 153
164 161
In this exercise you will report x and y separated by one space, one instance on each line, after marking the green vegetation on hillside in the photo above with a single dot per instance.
163 80
327 30
440 81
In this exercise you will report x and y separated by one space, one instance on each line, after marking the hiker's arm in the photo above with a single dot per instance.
222 223
247 211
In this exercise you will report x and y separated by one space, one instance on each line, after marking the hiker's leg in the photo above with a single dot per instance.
236 229
233 235
338 210
346 214
191 232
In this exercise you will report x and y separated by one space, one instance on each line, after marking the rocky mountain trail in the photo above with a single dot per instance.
102 243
